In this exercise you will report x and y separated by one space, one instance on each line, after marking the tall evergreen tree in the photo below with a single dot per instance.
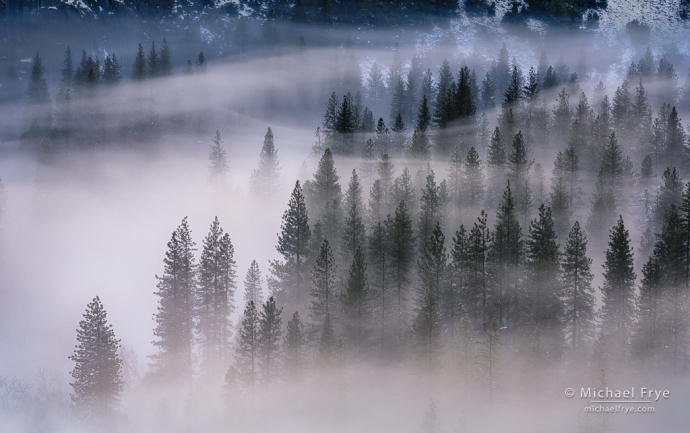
288 281
324 196
357 302
246 358
214 300
433 275
473 179
165 60
323 292
401 240
97 372
218 163
139 67
430 210
252 285
506 256
542 306
265 180
270 331
294 348
153 62
354 232
617 311
175 316
67 71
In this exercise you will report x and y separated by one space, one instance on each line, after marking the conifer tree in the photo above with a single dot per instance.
430 210
559 202
433 273
419 146
375 85
473 179
153 62
37 97
165 60
174 319
385 170
506 254
478 297
327 342
270 332
562 116
246 358
378 256
519 166
67 71
324 195
112 71
200 64
218 163
542 306
294 348
139 66
323 290
331 114
288 281
401 240
567 168
356 301
455 184
403 190
617 311
97 372
265 180
214 300
252 285
354 232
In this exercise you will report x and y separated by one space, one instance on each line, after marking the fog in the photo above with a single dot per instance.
90 203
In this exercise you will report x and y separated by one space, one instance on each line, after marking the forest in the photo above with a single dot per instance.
424 233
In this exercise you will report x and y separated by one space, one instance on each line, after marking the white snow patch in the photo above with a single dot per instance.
206 34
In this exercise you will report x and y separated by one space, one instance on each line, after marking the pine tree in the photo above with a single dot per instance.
430 210
379 260
165 60
562 116
567 168
419 146
252 285
519 167
214 300
37 98
200 64
153 62
324 280
112 71
354 232
506 254
270 332
67 71
542 306
473 179
97 372
218 163
617 311
559 202
324 195
174 319
403 190
288 281
247 347
356 301
294 348
331 114
139 66
478 298
265 180
433 272
375 85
